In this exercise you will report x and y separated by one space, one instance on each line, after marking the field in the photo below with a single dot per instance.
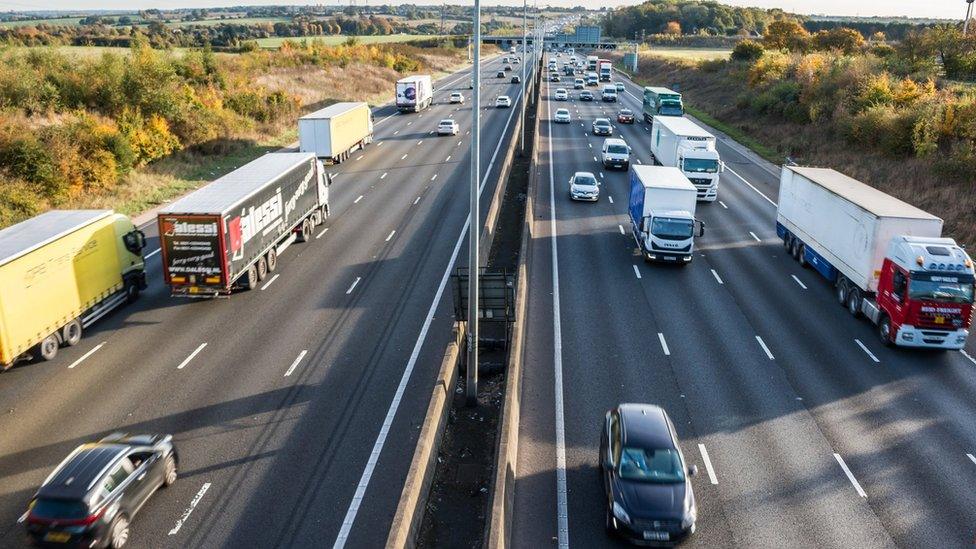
57 21
690 54
332 40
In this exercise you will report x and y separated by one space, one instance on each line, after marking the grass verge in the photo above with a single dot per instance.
735 133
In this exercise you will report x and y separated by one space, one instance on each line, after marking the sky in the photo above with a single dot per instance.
954 9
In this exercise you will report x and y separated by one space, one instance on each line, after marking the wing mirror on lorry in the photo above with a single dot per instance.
134 241
699 228
721 167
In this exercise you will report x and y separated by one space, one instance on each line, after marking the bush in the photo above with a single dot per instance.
748 51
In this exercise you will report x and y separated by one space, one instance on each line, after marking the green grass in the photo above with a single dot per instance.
690 54
29 22
736 134
240 21
333 40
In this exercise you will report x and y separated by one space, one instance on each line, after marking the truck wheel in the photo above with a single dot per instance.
803 256
131 291
795 249
841 291
786 242
884 330
49 347
272 259
325 212
251 278
304 232
854 302
71 333
262 266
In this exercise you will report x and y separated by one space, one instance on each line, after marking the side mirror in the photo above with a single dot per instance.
721 168
700 229
693 470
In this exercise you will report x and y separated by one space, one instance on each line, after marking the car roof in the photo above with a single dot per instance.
74 477
503 97
614 141
645 425
447 121
584 174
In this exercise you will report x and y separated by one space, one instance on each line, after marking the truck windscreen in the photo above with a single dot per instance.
672 229
701 165
946 289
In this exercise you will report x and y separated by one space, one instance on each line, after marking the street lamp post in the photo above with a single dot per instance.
471 379
525 61
969 15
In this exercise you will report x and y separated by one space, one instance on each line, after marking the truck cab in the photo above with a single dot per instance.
662 213
702 167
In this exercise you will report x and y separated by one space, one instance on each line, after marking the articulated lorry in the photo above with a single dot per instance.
414 93
662 102
336 131
662 213
60 272
680 143
228 235
605 69
886 258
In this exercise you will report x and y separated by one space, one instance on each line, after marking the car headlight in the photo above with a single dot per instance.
620 514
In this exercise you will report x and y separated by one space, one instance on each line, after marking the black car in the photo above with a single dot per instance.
554 77
648 492
586 95
602 126
92 496
501 74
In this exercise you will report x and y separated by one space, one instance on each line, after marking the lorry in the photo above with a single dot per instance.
680 143
336 131
60 272
605 69
591 63
414 93
662 213
228 235
887 259
661 102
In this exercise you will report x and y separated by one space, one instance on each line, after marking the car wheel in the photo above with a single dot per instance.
169 471
71 333
119 532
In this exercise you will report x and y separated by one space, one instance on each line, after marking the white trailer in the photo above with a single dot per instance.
334 132
680 143
662 213
414 93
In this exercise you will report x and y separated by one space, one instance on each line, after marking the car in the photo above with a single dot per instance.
507 68
91 497
561 95
562 116
586 95
609 95
615 153
554 77
503 101
646 481
516 79
584 186
625 116
504 60
602 126
620 87
516 60
579 84
500 74
447 127
457 97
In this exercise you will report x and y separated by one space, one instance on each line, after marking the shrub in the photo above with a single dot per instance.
767 69
747 51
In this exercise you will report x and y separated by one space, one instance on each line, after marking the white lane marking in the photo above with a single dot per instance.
967 355
269 282
393 232
595 160
664 344
638 160
403 157
396 132
358 198
448 159
458 144
408 123
723 204
756 237
850 476
374 455
354 283
708 464
718 278
416 200
318 236
384 175
764 347
590 144
866 350
610 198
186 514
971 457
636 271
380 144
465 133
294 364
86 355
751 186
433 177
152 253
586 135
621 227
421 142
358 158
798 281
601 175
189 358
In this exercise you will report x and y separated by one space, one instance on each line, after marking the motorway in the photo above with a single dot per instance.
295 407
807 432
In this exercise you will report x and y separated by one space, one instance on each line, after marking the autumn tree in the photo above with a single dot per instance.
786 34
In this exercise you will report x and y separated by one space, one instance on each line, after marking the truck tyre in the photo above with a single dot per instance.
854 302
251 278
304 232
884 331
262 266
272 259
841 291
131 290
48 347
802 258
71 333
325 212
795 249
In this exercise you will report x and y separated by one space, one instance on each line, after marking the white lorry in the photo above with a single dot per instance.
414 93
680 143
334 132
662 213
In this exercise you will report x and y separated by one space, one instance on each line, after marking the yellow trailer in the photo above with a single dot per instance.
336 131
60 272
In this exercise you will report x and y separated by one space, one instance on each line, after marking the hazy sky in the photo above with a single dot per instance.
955 9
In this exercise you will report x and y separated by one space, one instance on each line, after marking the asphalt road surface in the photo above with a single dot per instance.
807 432
295 407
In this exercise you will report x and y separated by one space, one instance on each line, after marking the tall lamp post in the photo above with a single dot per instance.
471 378
525 61
969 15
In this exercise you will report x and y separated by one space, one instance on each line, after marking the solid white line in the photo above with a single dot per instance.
416 200
268 283
965 354
354 283
610 198
865 349
189 358
433 177
798 281
360 197
751 187
86 355
403 157
708 464
186 514
621 227
393 232
294 365
318 236
723 204
756 237
636 271
152 253
971 457
718 278
765 348
664 344
383 176
850 476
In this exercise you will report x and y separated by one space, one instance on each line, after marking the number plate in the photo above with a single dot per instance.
656 536
940 320
194 290
57 537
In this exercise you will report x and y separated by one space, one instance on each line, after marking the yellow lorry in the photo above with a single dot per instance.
60 272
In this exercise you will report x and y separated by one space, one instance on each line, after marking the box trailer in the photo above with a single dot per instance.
228 235
886 258
662 213
661 102
680 143
414 93
605 69
336 131
60 272
591 63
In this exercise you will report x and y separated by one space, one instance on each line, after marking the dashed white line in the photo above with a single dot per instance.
717 278
380 144
294 364
610 198
800 282
448 159
638 160
269 282
850 476
318 236
458 144
416 200
152 253
972 458
601 175
708 464
636 271
354 283
751 186
393 232
86 355
396 132
594 159
360 157
358 198
723 204
408 123
384 175
186 514
189 358
866 350
664 343
433 177
621 227
756 237
403 157
764 347
421 142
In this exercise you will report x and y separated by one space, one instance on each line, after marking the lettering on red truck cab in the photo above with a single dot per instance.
942 310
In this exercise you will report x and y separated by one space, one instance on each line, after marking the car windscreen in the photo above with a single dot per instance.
661 465
601 123
627 112
59 509
585 181
562 112
617 149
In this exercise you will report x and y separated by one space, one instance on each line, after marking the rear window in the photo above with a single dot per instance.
59 509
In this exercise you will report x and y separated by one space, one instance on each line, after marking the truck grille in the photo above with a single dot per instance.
686 249
699 181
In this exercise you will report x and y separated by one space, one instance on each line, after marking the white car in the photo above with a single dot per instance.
447 127
561 95
503 101
456 97
584 186
562 116
616 154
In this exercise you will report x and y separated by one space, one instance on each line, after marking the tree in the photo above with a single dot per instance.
957 52
673 27
841 38
748 51
786 34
